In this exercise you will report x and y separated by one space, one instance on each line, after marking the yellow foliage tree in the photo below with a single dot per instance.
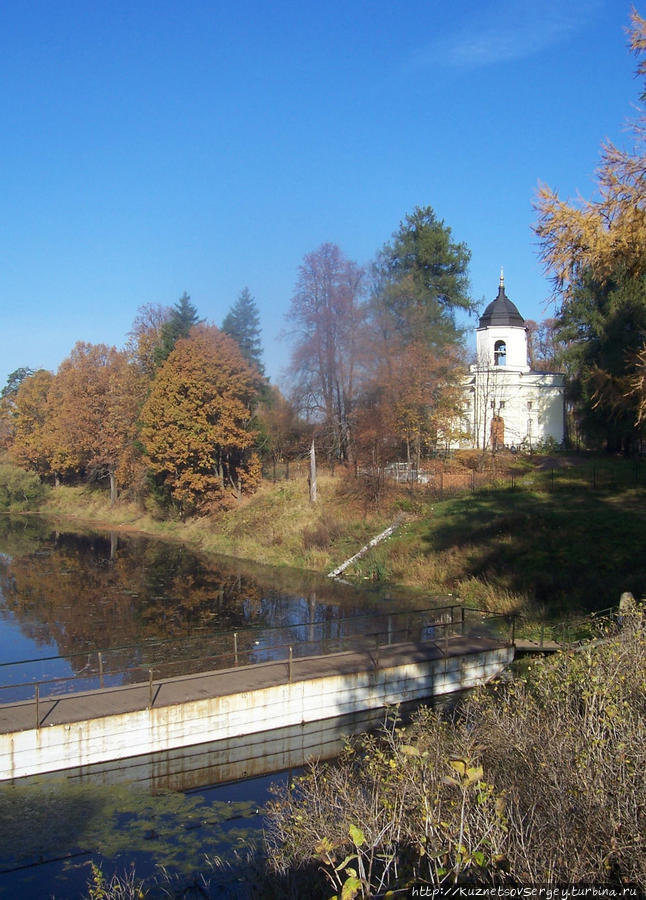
29 422
92 411
196 423
595 236
595 251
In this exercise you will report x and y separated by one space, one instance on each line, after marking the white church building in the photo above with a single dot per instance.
506 403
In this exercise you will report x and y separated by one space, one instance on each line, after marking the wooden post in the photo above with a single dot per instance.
150 688
235 648
312 478
100 655
37 705
289 664
462 617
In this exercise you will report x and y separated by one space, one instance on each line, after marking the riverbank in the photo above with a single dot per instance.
544 537
276 526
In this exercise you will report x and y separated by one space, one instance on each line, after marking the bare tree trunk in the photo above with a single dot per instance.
312 478
113 488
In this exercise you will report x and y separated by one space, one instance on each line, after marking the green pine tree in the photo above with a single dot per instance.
182 318
242 323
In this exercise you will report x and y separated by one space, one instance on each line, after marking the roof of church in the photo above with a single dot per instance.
501 311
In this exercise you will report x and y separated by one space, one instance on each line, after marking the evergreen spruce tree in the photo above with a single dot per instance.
182 318
242 323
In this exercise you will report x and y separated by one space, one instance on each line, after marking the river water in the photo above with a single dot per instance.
84 609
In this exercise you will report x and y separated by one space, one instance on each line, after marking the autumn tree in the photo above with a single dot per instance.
242 323
595 251
543 346
7 402
29 422
195 423
146 336
326 316
280 431
92 410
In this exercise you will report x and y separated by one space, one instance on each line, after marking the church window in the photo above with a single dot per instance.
499 353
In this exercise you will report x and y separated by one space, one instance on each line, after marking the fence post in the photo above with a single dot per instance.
100 655
235 648
150 688
37 705
513 629
289 664
542 634
462 623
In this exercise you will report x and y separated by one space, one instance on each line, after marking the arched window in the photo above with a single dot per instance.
499 353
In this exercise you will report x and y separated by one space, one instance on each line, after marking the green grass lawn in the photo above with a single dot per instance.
552 545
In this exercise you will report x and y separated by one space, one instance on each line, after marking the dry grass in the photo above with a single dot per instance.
277 525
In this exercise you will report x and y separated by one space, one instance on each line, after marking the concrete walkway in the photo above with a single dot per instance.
77 707
523 645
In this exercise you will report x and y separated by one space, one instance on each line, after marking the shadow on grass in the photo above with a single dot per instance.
567 551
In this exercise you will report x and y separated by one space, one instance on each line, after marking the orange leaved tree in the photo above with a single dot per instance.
29 414
92 407
196 423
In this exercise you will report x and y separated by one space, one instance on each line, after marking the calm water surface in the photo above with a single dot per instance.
85 608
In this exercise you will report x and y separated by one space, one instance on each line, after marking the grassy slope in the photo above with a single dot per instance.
562 539
277 525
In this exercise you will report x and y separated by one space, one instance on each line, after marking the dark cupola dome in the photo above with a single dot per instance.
501 311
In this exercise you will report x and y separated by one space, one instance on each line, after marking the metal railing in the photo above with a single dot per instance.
252 646
569 633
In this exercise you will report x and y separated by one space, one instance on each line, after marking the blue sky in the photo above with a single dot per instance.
150 148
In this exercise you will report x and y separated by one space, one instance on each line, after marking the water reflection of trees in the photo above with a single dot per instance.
147 604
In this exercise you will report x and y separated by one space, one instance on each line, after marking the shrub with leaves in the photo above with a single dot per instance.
19 489
538 780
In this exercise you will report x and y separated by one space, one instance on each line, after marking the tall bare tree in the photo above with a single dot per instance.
326 315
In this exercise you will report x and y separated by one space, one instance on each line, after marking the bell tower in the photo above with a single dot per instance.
501 337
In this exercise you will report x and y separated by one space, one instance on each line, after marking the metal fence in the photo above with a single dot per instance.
570 633
254 645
